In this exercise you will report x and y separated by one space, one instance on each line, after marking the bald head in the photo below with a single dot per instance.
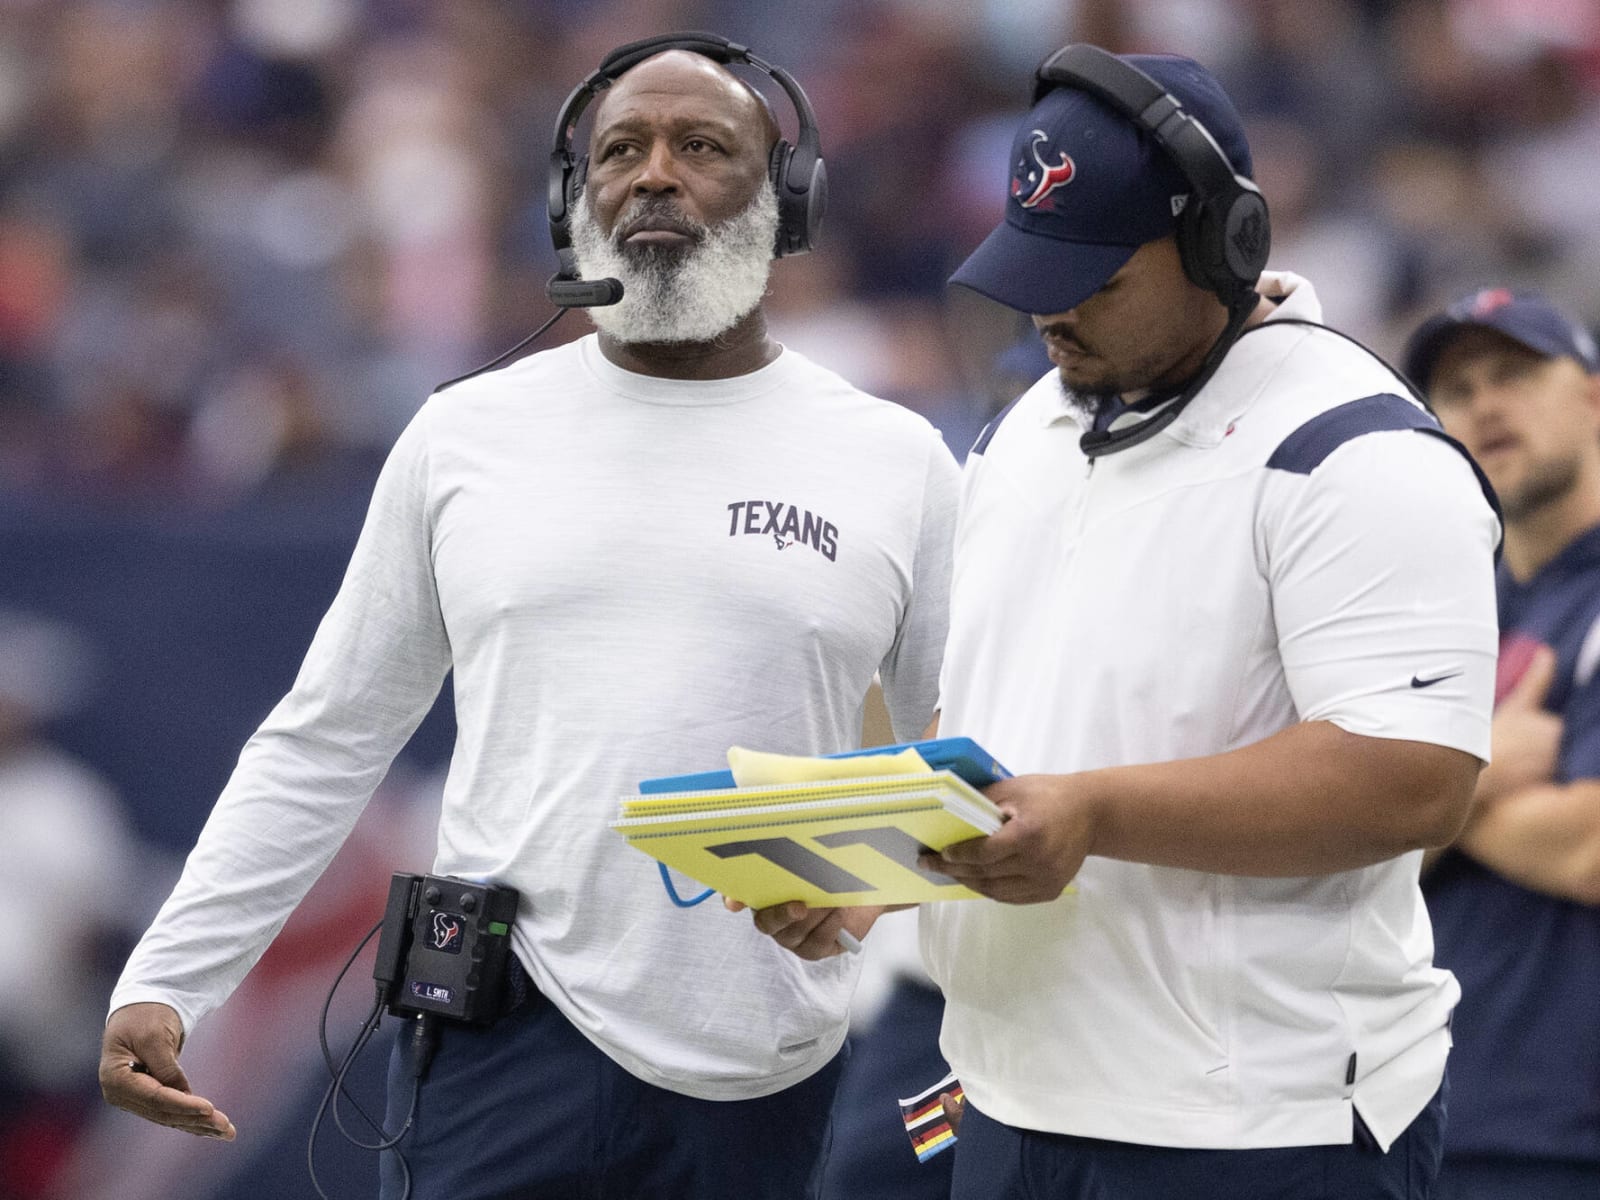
682 73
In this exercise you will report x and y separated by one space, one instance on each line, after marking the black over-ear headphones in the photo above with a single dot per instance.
797 172
1224 234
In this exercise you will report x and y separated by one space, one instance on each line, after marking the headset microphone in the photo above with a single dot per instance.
583 293
567 290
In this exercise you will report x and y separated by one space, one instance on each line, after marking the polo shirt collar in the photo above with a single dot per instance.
1236 386
1231 391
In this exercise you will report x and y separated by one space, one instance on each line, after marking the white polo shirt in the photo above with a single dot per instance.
1290 549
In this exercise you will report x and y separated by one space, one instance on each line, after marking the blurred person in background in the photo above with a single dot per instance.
350 184
1199 571
68 860
634 551
1515 900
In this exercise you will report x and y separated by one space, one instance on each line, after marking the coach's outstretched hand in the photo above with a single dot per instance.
139 1071
1048 831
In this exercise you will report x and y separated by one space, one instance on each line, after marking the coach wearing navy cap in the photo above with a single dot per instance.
1516 900
1126 194
1224 602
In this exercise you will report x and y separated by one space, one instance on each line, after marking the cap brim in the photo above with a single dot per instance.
1425 346
1036 274
1433 335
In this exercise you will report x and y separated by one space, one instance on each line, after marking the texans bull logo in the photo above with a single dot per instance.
1040 176
446 933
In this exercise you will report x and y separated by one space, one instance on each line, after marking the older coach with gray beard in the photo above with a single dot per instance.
633 551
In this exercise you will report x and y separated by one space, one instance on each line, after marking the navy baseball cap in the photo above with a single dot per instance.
1524 317
1089 187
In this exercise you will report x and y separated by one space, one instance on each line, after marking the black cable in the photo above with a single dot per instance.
495 362
365 1036
1108 441
368 1027
322 1024
337 1072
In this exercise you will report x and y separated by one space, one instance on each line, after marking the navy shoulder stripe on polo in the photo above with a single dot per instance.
982 444
1304 450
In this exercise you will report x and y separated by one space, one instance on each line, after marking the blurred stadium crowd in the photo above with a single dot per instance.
241 237
241 240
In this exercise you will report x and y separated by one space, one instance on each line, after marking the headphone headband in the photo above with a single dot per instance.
1224 233
797 171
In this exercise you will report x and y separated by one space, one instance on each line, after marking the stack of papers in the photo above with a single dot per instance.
832 842
959 754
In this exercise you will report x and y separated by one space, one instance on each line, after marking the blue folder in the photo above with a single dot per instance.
960 755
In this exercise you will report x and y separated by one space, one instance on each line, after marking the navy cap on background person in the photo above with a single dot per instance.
1088 188
1525 317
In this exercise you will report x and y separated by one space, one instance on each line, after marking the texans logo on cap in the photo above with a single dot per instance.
1040 176
1489 300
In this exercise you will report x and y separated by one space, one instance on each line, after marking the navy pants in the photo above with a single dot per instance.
1467 1177
998 1162
872 1157
529 1109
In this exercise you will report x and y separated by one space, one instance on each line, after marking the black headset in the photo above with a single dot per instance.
797 171
1224 233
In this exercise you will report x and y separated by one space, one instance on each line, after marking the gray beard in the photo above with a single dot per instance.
673 295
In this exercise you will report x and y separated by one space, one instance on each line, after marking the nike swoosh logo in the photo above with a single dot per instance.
1422 683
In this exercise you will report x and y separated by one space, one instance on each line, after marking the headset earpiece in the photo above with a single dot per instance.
777 174
802 192
1224 251
777 162
806 218
1192 234
579 174
1247 235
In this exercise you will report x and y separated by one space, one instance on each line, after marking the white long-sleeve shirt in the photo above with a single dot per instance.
627 575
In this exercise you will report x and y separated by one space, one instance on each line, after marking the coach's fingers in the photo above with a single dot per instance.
1010 882
965 861
811 933
979 850
789 924
139 1072
1017 889
954 1108
822 940
781 918
134 1091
